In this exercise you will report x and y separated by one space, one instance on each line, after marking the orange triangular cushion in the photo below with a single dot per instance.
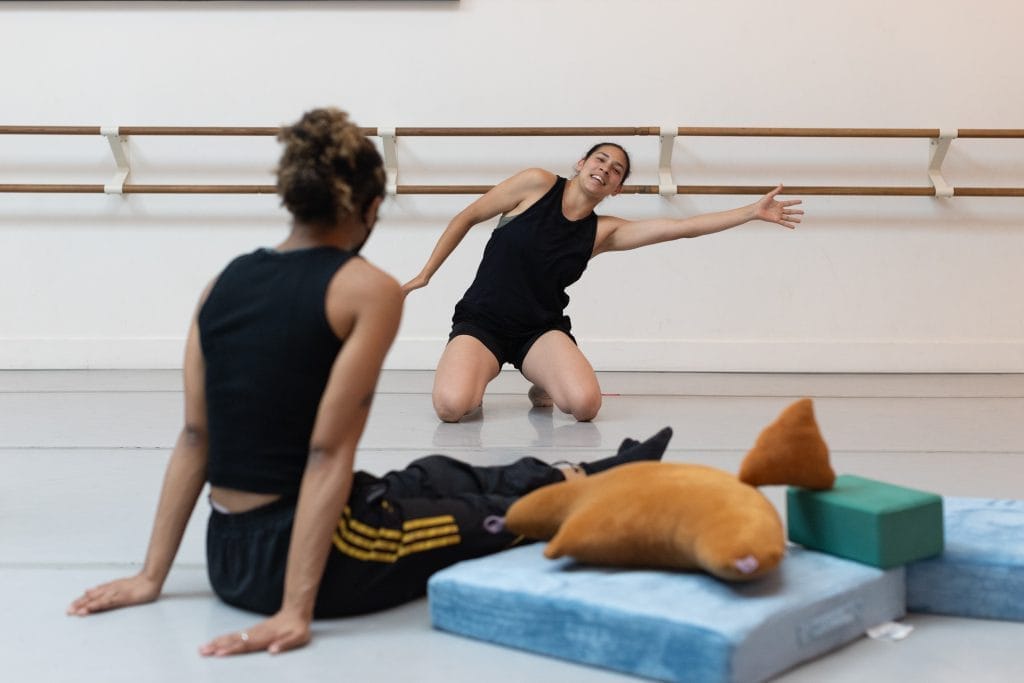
790 451
656 514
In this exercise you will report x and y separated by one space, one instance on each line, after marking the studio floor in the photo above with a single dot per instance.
82 455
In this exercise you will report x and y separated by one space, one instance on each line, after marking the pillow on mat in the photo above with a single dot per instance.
653 514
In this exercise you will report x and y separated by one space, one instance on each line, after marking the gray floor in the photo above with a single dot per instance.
82 455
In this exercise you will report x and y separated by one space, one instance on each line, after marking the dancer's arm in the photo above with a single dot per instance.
616 234
517 192
183 481
364 307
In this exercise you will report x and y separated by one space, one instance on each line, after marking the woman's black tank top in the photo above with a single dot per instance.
268 351
527 264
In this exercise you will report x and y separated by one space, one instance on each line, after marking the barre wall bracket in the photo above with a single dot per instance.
119 148
937 154
666 184
387 136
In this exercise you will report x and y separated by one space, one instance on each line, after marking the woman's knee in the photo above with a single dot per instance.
452 405
583 403
465 368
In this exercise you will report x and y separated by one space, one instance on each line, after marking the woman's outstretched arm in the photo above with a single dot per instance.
364 306
519 191
183 481
616 234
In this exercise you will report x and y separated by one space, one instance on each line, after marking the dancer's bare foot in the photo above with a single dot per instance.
539 398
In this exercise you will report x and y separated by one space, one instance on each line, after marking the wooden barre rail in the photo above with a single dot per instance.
804 190
938 137
613 131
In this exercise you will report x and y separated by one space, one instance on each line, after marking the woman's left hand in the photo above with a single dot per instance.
771 210
279 633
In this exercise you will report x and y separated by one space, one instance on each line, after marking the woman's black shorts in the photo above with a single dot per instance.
506 349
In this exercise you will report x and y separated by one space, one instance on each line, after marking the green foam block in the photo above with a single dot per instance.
868 521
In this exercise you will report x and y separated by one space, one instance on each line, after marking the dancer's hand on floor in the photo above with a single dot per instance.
279 633
132 590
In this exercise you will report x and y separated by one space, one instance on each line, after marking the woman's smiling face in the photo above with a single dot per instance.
604 170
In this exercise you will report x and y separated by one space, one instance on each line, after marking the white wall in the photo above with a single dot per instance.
866 284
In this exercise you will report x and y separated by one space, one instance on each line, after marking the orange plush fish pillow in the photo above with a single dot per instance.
679 516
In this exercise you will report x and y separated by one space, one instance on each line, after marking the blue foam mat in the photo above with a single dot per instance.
981 572
666 625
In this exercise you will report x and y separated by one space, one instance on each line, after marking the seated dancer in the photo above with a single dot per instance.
281 362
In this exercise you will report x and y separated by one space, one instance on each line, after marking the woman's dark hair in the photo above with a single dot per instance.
629 165
329 170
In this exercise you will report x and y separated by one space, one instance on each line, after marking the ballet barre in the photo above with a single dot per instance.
940 140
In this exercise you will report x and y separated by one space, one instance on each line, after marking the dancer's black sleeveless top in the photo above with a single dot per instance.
268 351
527 264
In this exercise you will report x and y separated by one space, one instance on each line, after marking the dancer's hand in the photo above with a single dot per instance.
279 633
132 590
771 210
417 282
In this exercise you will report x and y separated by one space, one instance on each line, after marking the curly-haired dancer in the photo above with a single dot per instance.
280 367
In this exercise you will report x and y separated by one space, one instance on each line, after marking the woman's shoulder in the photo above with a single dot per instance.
535 178
362 291
363 279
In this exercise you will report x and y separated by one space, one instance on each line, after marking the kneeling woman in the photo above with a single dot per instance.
280 367
514 311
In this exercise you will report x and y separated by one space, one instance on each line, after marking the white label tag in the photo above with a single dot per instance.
890 630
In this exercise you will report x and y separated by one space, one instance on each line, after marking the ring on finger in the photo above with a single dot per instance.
244 635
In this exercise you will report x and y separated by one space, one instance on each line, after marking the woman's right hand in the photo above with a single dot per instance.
132 590
417 282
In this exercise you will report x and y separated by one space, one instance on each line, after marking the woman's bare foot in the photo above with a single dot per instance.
539 398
